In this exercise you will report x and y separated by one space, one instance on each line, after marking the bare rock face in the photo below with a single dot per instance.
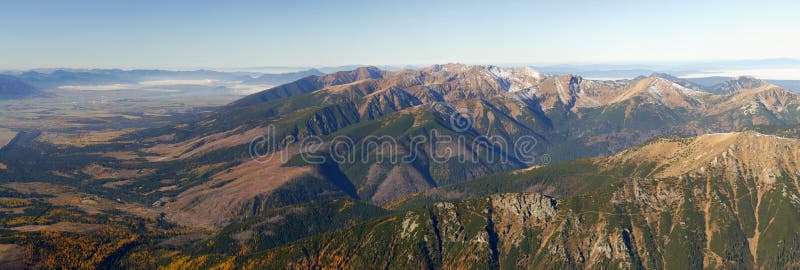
521 208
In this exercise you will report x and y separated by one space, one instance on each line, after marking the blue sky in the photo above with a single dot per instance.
227 34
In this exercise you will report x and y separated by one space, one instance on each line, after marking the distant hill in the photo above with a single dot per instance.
13 88
282 78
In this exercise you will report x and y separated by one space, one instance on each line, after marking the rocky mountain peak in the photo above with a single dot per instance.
368 72
679 81
449 67
658 90
663 76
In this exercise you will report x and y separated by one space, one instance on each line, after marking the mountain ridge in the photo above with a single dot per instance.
635 222
282 78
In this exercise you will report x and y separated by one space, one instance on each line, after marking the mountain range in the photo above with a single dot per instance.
569 117
651 172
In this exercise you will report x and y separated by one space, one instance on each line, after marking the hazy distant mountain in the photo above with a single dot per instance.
679 69
13 88
60 77
774 63
352 67
708 83
323 69
282 78
611 73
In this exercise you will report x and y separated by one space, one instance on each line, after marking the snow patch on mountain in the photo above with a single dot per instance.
515 79
661 90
